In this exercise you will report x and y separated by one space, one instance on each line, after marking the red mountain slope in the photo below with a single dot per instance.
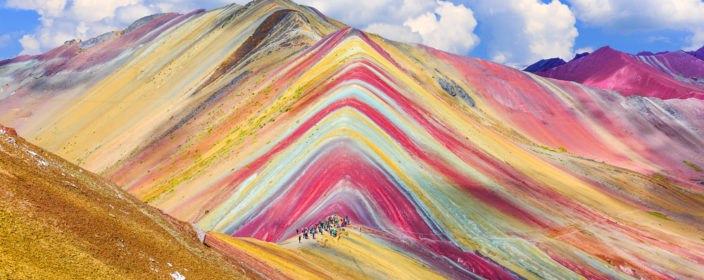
610 69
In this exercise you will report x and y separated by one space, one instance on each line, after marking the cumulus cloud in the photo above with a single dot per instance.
367 12
644 15
439 24
696 41
524 31
63 20
449 28
48 8
30 44
394 32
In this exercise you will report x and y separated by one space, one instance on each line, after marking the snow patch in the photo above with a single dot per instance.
199 232
177 276
72 185
39 158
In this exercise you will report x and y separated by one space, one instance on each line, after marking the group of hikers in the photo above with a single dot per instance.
333 225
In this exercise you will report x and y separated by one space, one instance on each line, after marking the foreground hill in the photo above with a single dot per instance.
58 221
258 120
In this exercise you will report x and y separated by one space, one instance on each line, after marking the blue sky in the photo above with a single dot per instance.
514 32
16 24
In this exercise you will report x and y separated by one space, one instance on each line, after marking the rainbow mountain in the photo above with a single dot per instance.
255 121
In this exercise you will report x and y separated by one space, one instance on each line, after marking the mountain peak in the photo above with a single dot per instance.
607 50
544 65
286 4
698 53
580 55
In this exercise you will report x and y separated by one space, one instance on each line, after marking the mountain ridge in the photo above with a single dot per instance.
677 74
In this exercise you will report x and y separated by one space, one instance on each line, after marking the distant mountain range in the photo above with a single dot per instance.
664 75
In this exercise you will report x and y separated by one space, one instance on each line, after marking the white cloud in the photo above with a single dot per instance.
63 20
640 15
583 50
449 28
696 41
644 15
367 12
593 10
49 8
30 44
92 11
394 32
134 12
439 24
524 31
499 57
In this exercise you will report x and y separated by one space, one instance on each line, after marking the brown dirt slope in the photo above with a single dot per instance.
58 221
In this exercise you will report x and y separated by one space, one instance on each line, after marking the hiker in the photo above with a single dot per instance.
332 224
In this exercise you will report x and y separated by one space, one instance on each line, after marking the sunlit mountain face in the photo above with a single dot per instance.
58 221
253 122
